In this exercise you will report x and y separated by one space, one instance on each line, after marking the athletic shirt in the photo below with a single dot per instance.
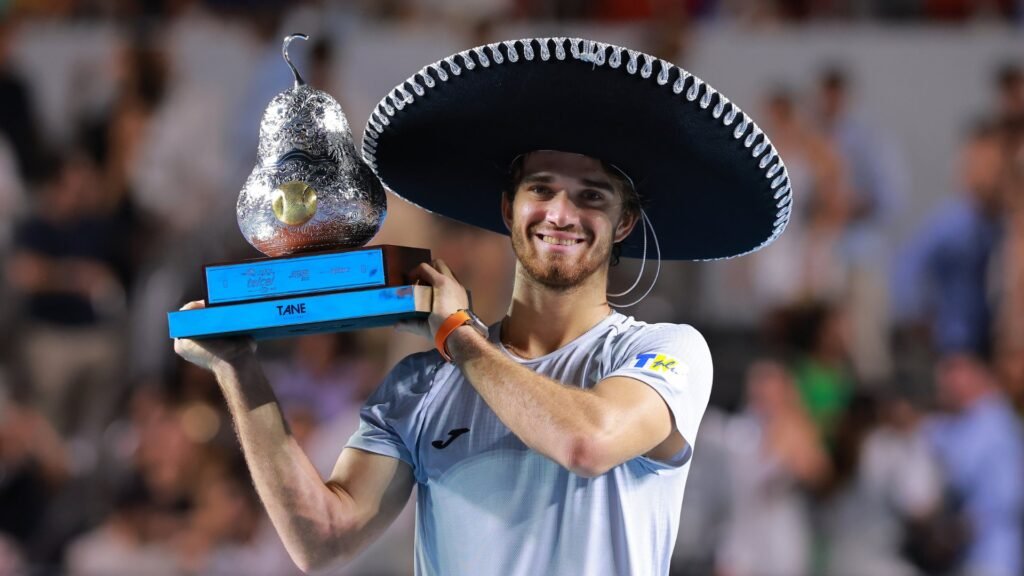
489 505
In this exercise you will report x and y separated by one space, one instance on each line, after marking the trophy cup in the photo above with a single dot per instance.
310 204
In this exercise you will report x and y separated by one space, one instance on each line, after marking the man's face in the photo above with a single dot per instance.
566 214
959 378
981 167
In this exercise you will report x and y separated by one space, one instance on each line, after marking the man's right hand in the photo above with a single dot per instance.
214 353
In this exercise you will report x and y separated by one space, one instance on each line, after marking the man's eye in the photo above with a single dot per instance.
539 189
592 196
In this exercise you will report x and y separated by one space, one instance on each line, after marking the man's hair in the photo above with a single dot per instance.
1007 74
982 128
631 203
833 76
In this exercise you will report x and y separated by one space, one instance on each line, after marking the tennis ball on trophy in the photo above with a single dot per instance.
310 189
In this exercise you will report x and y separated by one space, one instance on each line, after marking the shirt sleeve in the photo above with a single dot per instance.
675 361
390 416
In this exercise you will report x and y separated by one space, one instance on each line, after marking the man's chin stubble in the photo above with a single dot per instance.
554 277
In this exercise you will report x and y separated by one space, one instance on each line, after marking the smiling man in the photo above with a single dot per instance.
558 440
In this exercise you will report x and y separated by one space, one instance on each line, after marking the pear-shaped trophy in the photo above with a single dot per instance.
310 204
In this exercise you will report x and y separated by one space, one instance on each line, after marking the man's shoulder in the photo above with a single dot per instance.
637 339
634 329
415 371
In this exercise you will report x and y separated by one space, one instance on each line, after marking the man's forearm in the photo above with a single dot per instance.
556 420
307 514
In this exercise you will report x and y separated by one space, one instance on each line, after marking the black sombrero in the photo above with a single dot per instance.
712 184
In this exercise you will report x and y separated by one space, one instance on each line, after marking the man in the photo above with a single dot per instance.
979 444
874 185
944 270
558 440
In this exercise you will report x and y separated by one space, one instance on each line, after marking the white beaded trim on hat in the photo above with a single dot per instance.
596 54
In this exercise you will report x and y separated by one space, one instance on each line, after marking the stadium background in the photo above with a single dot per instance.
890 313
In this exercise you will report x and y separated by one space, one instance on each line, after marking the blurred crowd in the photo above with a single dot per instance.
866 418
758 12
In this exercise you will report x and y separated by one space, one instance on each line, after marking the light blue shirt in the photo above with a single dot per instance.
981 452
488 504
944 270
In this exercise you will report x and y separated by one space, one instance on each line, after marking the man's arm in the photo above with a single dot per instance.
320 523
586 431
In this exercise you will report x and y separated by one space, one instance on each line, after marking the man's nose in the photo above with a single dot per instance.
562 211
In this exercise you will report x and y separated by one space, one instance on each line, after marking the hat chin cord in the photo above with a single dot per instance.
647 223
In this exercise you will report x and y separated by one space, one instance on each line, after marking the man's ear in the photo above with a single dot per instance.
506 211
626 224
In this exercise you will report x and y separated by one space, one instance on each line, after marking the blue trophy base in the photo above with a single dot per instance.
295 316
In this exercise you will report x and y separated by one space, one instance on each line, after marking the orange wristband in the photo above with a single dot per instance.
457 319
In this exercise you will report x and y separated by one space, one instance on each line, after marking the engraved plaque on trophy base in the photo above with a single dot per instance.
307 293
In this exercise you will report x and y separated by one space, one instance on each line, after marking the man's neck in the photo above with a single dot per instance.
542 319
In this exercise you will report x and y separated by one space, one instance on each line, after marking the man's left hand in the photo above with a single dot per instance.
449 297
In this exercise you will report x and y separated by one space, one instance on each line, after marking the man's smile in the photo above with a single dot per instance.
559 241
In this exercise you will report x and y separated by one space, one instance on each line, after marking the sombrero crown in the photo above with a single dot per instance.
711 181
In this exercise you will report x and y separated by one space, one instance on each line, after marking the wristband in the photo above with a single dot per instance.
458 319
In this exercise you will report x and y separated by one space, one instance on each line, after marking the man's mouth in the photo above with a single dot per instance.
559 241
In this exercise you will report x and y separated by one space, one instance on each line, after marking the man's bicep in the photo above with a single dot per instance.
675 363
642 418
374 487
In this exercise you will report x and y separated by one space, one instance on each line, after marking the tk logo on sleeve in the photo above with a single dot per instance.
655 362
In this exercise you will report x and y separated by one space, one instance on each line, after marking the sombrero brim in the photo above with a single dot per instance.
710 180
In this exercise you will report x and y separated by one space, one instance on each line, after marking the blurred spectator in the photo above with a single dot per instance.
877 175
774 456
116 134
177 180
11 561
876 183
228 531
1009 85
65 261
270 77
325 376
818 334
155 487
944 270
960 10
17 123
125 543
804 263
34 465
1010 330
556 9
463 12
12 207
885 479
980 447
12 195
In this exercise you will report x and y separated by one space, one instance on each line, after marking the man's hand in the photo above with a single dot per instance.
449 297
215 353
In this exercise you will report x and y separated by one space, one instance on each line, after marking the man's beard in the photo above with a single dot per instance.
555 272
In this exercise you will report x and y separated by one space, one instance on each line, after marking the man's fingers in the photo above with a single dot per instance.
442 267
194 304
426 273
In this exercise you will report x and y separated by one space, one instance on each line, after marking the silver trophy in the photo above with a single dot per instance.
310 189
310 204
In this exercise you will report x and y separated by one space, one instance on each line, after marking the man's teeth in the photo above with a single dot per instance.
560 241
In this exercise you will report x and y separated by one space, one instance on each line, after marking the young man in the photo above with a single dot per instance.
558 440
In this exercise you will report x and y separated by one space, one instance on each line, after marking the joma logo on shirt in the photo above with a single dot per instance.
657 363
